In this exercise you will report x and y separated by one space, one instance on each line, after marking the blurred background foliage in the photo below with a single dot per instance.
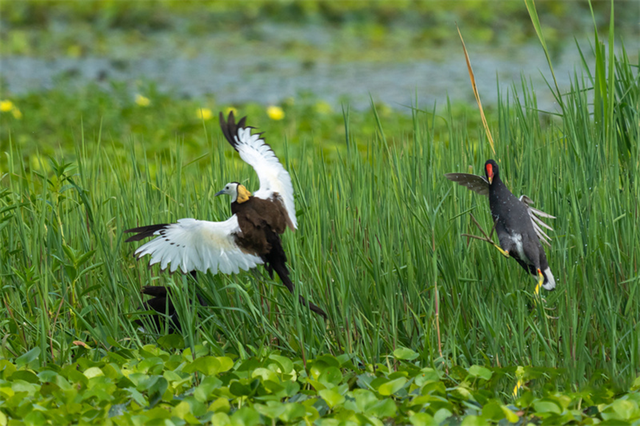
78 28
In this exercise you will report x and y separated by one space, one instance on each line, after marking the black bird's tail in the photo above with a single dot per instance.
161 302
283 273
276 260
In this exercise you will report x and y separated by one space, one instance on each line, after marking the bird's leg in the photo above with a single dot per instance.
540 281
505 253
486 237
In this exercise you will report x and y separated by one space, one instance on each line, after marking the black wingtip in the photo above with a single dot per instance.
144 231
230 128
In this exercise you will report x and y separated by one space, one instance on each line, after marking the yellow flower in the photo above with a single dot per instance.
230 109
323 108
143 101
16 113
520 382
75 51
275 112
204 114
6 106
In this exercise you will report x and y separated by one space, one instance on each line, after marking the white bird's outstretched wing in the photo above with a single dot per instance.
259 155
474 182
536 220
194 244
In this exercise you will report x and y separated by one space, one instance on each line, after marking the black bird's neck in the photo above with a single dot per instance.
498 188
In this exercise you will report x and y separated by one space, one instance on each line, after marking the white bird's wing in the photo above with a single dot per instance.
194 244
474 182
536 220
259 155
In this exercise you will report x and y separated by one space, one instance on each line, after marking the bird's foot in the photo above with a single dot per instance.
505 253
537 295
486 237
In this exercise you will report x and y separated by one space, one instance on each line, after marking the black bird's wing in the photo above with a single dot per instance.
474 182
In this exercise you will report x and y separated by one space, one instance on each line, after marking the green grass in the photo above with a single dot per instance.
378 244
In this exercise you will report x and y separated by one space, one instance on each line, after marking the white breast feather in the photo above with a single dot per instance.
517 240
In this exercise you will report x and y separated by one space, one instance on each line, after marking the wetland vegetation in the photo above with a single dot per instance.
425 327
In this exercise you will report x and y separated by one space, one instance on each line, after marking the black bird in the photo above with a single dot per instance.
162 302
517 224
250 237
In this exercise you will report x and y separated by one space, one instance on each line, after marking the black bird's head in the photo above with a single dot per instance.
491 170
236 191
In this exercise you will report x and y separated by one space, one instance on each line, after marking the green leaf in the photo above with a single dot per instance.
285 363
441 415
93 372
621 409
405 354
171 341
206 365
272 409
246 416
265 374
329 360
137 397
383 409
238 388
364 400
226 364
35 418
332 397
220 405
422 419
183 411
493 411
292 412
84 257
25 375
426 375
510 415
206 387
481 372
6 368
473 421
28 358
330 376
543 406
220 419
392 386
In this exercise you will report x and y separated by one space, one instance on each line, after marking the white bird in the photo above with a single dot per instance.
250 237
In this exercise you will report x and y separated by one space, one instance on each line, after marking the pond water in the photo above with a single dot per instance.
254 74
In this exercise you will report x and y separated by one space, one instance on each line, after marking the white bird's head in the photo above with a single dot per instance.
236 191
